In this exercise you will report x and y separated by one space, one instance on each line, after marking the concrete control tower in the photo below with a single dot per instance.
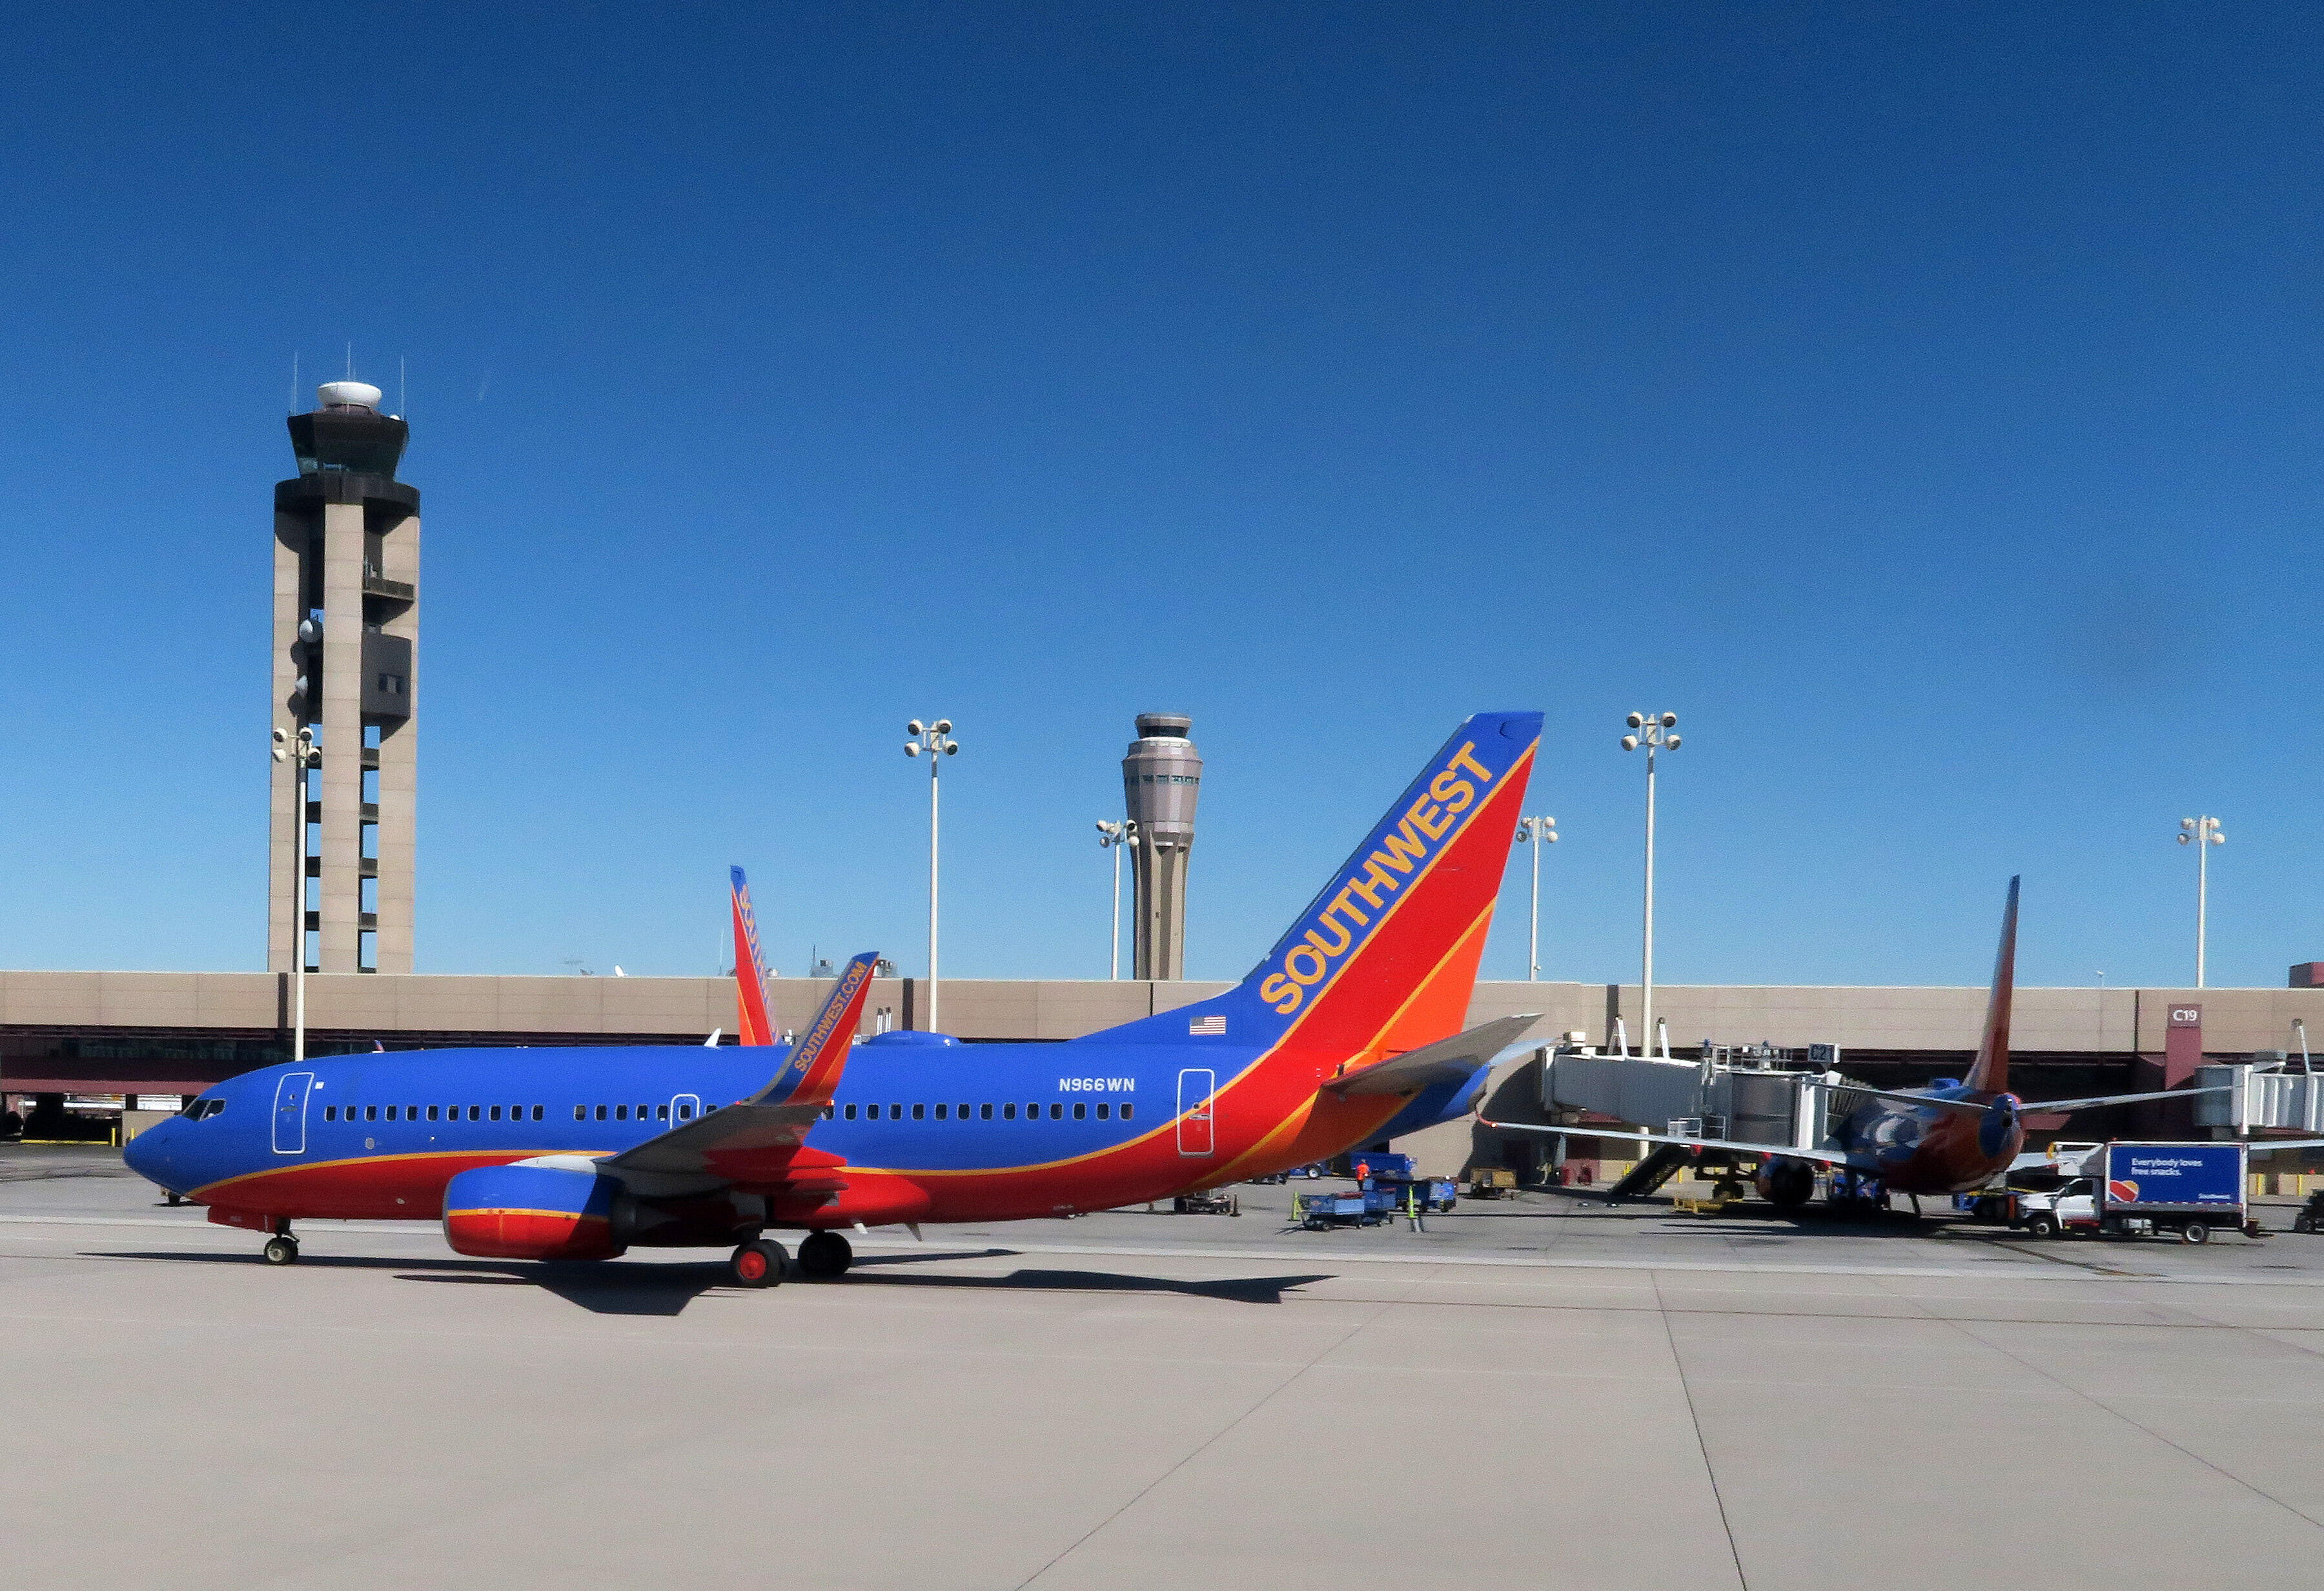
1161 776
346 619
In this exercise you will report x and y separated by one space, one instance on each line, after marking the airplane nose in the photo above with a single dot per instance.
148 1154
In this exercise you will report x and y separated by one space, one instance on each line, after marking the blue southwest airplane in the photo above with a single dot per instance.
1346 1032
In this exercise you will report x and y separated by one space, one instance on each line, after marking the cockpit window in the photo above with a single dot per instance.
210 1107
192 1108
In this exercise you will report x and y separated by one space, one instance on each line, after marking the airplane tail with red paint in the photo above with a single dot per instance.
750 972
1991 1070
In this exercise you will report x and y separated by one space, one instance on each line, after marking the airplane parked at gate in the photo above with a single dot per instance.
1956 1134
1346 1029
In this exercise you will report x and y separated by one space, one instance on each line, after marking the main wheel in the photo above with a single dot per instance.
2041 1225
281 1251
2303 1222
825 1255
2194 1232
759 1263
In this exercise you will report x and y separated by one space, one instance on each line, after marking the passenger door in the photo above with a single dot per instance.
291 1111
1195 1134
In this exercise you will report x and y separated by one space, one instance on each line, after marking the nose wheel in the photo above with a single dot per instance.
826 1255
759 1263
281 1250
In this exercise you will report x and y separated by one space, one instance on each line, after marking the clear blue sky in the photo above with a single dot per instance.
1923 401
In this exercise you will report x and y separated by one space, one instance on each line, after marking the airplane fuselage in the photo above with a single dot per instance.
927 1130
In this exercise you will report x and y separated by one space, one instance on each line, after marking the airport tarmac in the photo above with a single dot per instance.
1538 1391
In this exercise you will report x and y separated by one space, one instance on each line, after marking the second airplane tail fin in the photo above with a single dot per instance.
1991 1070
752 1025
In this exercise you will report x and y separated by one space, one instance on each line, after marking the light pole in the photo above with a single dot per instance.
2202 833
1535 832
298 752
1112 837
933 740
1654 731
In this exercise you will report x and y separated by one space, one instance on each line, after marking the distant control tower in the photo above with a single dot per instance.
1161 775
346 619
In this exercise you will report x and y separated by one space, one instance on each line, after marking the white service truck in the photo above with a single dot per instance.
2135 1189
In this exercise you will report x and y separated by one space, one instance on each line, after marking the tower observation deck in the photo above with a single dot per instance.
347 625
1161 777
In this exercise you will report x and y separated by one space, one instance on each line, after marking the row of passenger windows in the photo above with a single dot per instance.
621 1113
982 1113
662 1112
449 1112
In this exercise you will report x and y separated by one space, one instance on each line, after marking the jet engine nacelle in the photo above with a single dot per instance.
534 1212
1786 1184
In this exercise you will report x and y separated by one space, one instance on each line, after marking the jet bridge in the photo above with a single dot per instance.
2259 1095
1757 1096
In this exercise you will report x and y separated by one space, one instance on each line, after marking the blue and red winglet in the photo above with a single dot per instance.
810 1076
750 971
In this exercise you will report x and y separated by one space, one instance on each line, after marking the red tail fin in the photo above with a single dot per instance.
1991 1071
750 977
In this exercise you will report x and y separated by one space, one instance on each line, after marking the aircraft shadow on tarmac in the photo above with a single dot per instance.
615 1288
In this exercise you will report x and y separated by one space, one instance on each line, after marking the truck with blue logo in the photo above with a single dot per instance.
2137 1189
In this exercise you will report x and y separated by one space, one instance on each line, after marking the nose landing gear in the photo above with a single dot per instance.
282 1249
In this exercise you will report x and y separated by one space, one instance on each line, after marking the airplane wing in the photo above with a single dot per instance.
1861 1162
2269 1146
1455 1056
2044 1106
2025 1106
761 1140
750 972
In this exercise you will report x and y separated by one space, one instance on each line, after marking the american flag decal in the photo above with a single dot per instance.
1200 1025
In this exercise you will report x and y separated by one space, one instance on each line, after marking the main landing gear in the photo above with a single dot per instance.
282 1249
759 1263
825 1255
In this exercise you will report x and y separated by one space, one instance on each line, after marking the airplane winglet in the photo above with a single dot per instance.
752 1025
810 1076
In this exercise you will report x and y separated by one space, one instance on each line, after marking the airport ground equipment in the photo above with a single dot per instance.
1491 1182
1308 1172
2137 1189
1382 1164
1320 1212
1209 1201
2310 1217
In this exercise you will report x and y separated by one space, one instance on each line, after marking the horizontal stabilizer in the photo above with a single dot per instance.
1456 1057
